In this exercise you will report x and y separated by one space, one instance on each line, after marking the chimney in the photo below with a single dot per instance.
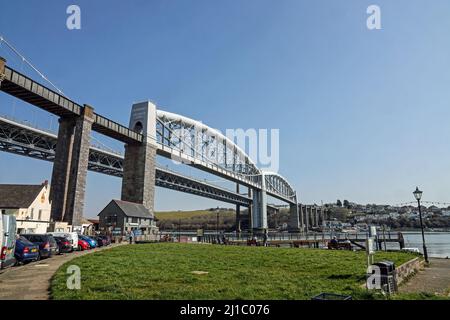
45 183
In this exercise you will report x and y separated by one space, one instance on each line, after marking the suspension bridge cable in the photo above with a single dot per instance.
13 49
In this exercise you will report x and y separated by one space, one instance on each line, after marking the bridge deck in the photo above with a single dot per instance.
28 90
22 139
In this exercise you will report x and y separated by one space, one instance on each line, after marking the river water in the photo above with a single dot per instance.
438 243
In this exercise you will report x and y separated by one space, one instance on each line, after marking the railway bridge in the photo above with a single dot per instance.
150 132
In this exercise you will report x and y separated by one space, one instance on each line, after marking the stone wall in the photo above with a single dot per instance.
407 269
139 174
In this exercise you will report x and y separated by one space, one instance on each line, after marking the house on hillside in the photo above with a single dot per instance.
434 209
121 217
29 204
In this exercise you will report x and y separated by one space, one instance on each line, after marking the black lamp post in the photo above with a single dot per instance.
418 195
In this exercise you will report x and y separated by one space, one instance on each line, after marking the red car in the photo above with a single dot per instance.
83 245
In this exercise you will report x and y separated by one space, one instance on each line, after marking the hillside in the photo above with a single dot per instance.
207 219
196 219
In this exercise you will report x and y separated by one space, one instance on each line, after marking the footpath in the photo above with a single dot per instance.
32 281
433 279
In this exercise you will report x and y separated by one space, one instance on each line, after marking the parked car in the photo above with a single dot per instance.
106 239
47 244
83 245
26 251
92 242
100 241
64 245
71 236
7 240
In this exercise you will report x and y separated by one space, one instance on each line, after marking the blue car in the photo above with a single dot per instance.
92 243
26 251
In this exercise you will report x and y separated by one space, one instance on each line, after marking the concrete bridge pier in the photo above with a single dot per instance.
139 172
316 217
322 217
306 218
259 210
302 218
294 219
250 211
70 167
238 213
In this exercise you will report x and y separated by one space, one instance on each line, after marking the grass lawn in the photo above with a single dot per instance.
164 271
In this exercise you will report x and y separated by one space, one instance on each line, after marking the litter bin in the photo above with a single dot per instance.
331 296
387 276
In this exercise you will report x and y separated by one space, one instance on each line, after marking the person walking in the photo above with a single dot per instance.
265 238
130 236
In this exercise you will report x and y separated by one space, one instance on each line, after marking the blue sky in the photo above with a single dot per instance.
363 114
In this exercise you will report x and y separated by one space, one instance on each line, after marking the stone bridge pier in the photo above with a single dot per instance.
70 167
139 166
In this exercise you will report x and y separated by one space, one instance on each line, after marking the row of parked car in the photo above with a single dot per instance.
33 247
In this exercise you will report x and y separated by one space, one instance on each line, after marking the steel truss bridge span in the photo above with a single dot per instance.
149 132
25 140
177 137
194 143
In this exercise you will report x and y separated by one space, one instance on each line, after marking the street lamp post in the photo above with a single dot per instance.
418 195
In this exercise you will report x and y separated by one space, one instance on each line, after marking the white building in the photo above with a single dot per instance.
394 215
445 213
29 203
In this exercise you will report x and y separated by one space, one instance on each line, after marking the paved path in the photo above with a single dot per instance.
434 279
32 281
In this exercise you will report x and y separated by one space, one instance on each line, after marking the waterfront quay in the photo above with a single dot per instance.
312 240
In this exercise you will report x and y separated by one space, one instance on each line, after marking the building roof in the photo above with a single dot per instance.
85 221
131 209
17 196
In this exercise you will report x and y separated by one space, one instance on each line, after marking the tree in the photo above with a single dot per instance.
346 204
339 203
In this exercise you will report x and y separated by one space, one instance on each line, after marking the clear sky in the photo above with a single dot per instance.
363 114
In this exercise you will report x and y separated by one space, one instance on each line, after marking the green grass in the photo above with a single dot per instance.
175 215
163 271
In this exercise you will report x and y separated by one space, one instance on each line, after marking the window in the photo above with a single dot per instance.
111 219
3 211
40 214
134 220
32 213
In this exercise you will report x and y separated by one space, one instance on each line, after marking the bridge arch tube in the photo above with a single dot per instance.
194 143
